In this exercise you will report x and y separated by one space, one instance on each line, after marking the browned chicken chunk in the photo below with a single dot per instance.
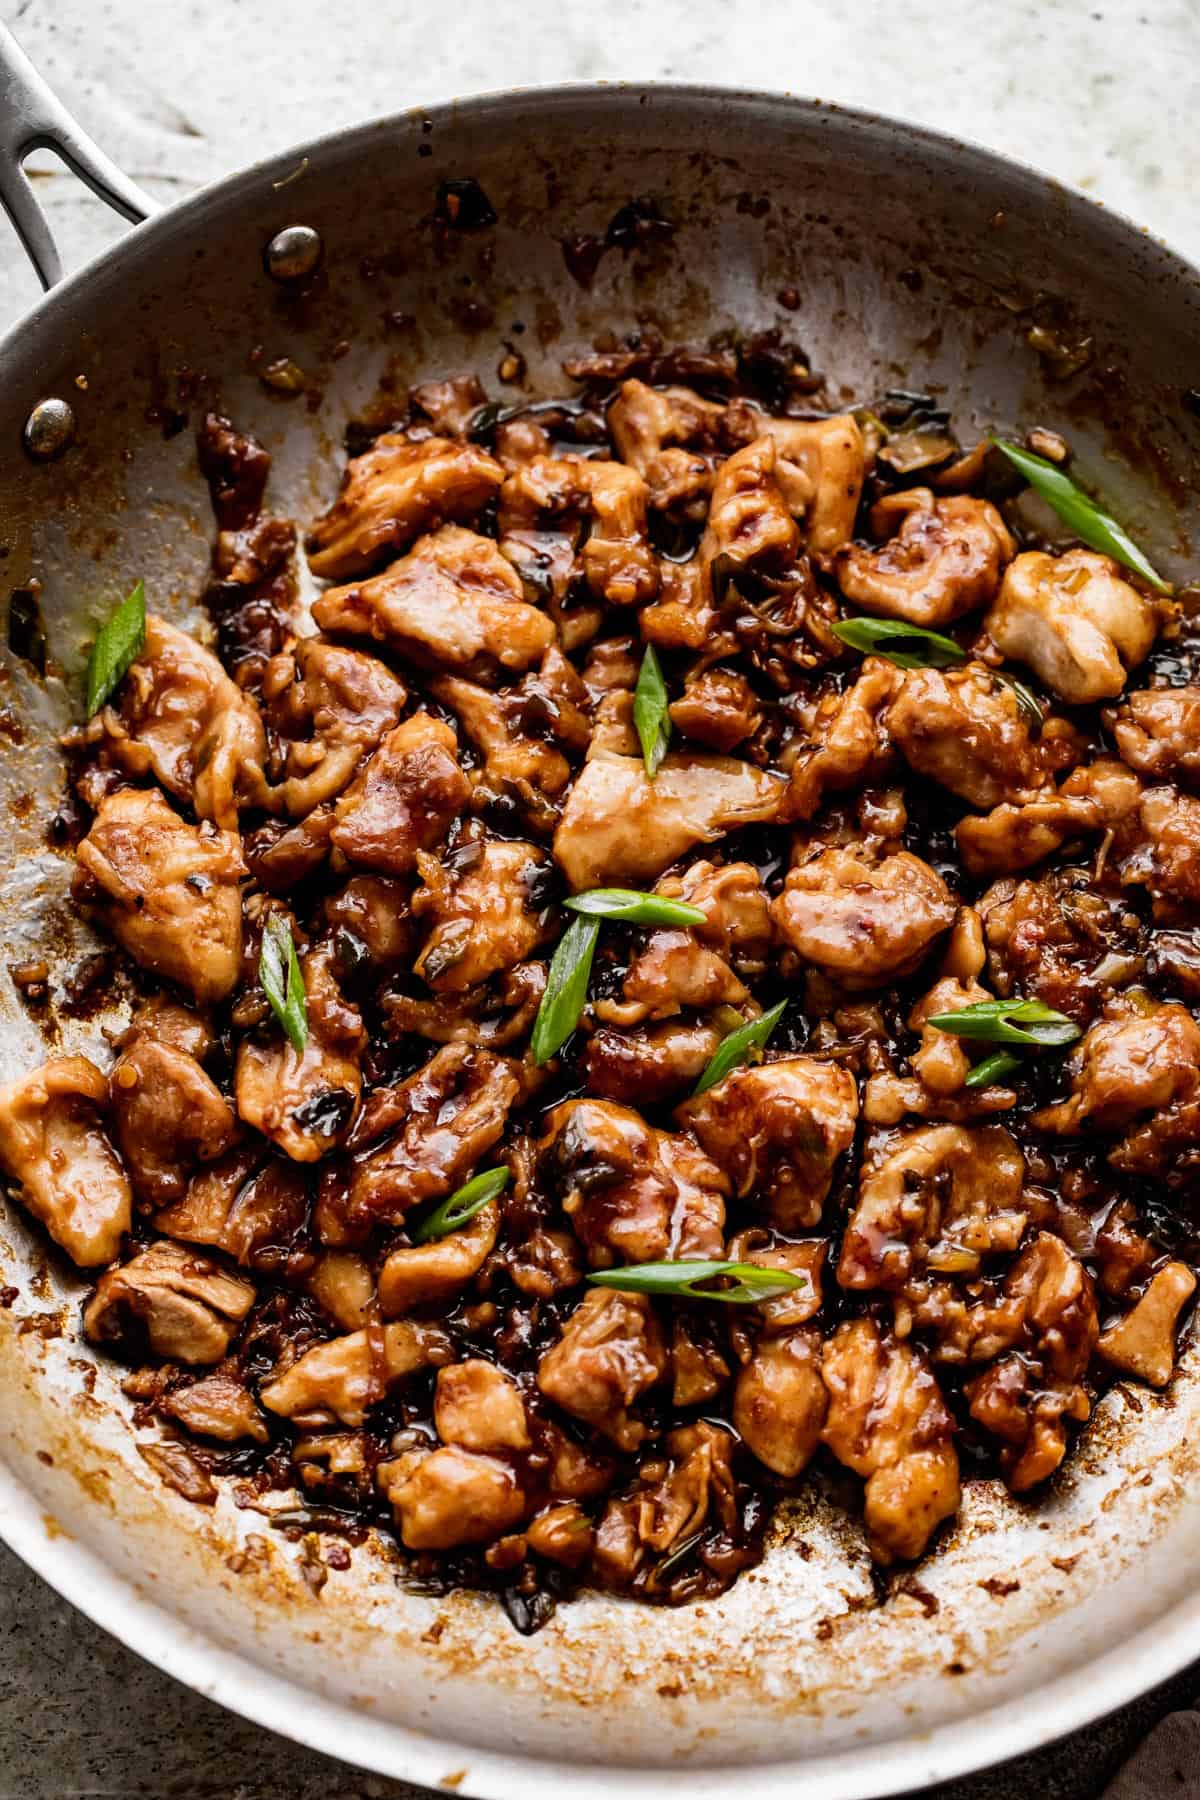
1074 620
182 1305
780 1401
395 492
610 1352
305 1101
405 798
168 1115
340 1380
62 1167
1143 1342
485 908
863 923
1157 732
944 560
327 708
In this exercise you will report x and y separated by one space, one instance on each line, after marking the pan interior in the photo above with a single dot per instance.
902 261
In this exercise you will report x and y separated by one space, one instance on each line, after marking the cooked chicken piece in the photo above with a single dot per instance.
183 1306
1143 1342
1098 798
777 1130
718 709
305 1102
217 1406
848 742
941 1197
1025 1398
632 1193
620 828
419 1140
168 892
1165 857
167 1117
374 912
699 1370
888 1422
757 1246
610 1351
546 1263
662 433
962 1322
479 1407
183 720
487 908
964 729
1157 732
398 490
452 1497
426 1274
1137 1071
648 1066
253 1213
404 799
167 1022
489 1017
338 1381
519 731
562 1534
1074 620
344 1284
780 1401
670 1506
327 707
449 405
735 907
684 617
251 556
281 856
865 924
618 561
673 973
63 1169
944 560
1058 940
819 467
748 519
454 603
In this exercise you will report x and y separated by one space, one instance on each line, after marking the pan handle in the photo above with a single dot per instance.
33 118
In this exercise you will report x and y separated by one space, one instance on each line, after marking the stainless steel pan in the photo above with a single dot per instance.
918 261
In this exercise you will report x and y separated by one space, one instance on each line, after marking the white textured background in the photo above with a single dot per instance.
1104 94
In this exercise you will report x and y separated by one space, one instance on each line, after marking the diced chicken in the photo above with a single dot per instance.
166 1022
337 1382
737 920
419 1140
662 433
1157 732
1060 941
944 560
864 924
699 1368
819 467
562 1534
183 1306
374 912
254 1213
942 1197
1165 852
780 1401
610 1352
327 707
280 856
519 763
620 828
650 1065
405 798
168 1115
183 720
449 405
305 1101
777 1130
1143 1342
888 1422
618 561
806 1259
63 1169
454 603
425 1274
670 1506
486 906
965 729
748 519
1080 627
632 1193
848 742
673 973
479 1407
1024 1398
1098 798
398 490
498 1013
718 709
217 1406
453 1497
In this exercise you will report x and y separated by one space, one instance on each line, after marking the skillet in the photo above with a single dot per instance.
916 261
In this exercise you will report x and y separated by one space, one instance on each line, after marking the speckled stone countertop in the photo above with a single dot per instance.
1102 93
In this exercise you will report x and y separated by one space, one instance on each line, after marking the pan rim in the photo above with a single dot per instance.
80 1575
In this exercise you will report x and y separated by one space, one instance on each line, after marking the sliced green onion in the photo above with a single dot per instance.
1026 1022
1097 529
693 1281
908 646
566 989
737 1046
282 981
634 908
460 1206
996 1067
650 715
119 643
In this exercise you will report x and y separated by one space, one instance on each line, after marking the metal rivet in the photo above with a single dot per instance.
293 253
49 429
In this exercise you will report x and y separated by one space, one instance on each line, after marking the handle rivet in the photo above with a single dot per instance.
293 253
49 430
